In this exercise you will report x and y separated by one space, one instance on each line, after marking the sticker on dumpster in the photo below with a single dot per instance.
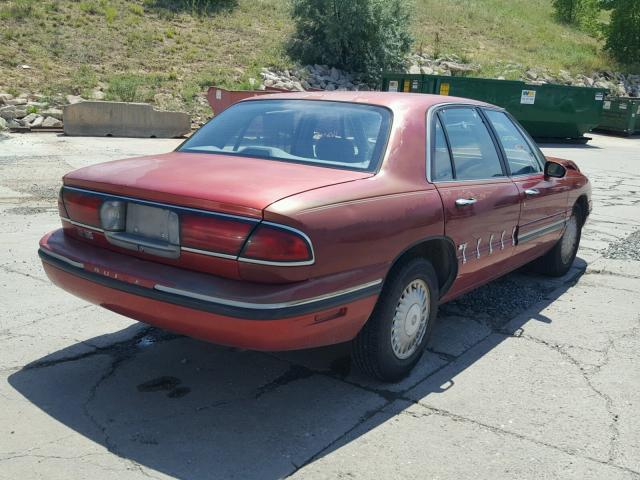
528 97
638 109
599 97
393 86
607 105
414 86
444 88
407 86
623 106
218 95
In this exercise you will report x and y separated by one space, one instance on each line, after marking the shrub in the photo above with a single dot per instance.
110 13
18 9
623 33
361 36
581 13
89 7
195 7
124 88
83 79
136 9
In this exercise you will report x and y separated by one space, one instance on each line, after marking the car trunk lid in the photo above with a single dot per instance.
222 183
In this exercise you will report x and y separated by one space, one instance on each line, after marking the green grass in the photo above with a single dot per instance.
179 47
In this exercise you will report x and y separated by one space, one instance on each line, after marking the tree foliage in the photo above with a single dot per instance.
362 36
623 32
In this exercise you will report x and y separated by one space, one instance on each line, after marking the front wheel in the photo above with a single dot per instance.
557 261
393 339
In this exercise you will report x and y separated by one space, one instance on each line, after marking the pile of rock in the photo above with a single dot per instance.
618 84
27 111
320 77
443 65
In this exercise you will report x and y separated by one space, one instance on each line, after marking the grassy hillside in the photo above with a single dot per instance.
137 49
495 33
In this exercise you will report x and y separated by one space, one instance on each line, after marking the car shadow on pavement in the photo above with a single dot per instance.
194 410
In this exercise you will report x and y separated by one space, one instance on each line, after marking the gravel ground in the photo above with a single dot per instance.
626 249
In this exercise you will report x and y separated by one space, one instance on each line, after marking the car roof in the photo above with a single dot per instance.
392 100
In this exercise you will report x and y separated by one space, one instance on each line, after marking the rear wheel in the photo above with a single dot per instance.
557 261
394 338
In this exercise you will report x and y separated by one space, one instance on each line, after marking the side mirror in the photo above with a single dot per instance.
554 170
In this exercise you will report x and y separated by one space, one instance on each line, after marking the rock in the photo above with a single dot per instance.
16 101
455 67
4 97
37 122
414 70
20 112
13 124
8 112
297 86
427 70
73 99
531 74
53 112
97 94
25 67
30 118
330 87
51 122
3 124
335 74
37 105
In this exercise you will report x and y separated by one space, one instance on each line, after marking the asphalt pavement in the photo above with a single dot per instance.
527 377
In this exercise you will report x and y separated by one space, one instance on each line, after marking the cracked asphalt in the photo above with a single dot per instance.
528 377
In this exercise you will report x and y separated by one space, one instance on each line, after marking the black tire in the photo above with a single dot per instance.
558 261
372 350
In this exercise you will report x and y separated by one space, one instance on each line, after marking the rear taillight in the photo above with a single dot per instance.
275 244
213 234
82 208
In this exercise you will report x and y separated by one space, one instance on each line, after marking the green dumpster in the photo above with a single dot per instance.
621 115
548 112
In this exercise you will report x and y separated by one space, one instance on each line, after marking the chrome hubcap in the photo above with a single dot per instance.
410 319
569 239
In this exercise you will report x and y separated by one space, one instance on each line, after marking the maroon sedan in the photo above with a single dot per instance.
298 220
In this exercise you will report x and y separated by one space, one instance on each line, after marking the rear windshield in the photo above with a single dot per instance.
331 134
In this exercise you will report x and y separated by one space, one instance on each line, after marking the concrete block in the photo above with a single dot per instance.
119 119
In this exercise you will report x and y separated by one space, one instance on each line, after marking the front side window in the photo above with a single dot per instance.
330 134
474 153
520 155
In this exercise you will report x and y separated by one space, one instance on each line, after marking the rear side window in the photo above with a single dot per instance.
441 159
474 153
520 155
331 134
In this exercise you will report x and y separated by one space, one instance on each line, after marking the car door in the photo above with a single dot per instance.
544 199
481 204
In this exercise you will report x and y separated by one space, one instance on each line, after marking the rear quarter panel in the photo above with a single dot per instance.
361 226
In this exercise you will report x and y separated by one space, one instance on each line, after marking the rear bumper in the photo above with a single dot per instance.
275 317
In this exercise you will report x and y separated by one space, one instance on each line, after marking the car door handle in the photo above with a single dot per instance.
465 202
532 192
